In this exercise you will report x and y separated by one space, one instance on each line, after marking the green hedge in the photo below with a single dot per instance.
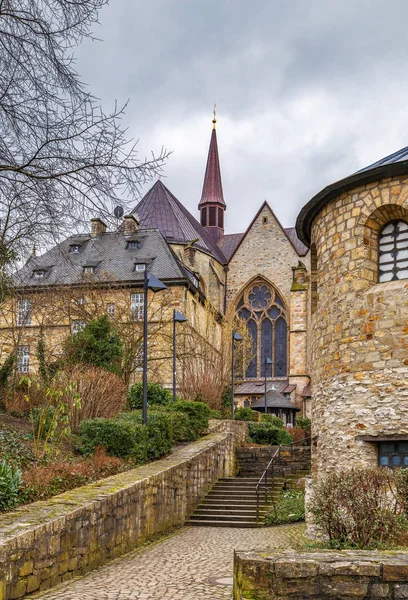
156 395
198 413
272 420
266 433
245 414
126 439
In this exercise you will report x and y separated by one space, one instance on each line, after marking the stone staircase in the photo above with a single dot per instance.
231 502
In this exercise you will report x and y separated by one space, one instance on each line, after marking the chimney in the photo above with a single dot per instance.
131 224
97 227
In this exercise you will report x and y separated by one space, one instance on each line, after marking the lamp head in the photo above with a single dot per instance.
155 284
178 317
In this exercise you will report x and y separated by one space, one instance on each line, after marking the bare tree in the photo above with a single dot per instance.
61 155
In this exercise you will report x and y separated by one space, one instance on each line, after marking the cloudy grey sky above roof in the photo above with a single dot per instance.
306 92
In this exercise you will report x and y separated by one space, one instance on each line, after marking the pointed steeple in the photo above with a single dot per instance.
212 205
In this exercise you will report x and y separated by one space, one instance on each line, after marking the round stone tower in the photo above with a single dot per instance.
357 230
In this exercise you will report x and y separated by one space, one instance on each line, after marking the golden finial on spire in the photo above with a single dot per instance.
215 115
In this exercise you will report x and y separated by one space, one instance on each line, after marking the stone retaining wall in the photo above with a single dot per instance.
46 543
328 574
253 460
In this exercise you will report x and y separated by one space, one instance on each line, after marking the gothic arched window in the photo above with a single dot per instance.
393 251
263 310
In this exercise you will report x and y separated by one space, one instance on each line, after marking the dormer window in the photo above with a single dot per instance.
140 267
74 248
89 269
39 273
133 245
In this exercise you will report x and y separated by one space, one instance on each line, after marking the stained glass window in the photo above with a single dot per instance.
393 252
264 311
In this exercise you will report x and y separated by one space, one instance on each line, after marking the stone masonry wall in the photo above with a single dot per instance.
320 575
46 543
359 329
253 460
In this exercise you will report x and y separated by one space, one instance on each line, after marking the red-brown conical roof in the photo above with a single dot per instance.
212 187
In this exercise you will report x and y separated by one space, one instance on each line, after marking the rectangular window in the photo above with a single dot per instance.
204 216
24 312
77 326
133 245
393 455
137 306
23 359
213 216
140 267
80 301
110 309
74 248
89 269
39 273
220 218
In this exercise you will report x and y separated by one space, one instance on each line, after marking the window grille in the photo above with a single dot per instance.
393 252
110 309
263 310
77 326
133 245
24 312
23 359
393 455
137 306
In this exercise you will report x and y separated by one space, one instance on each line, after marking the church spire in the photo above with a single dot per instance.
212 205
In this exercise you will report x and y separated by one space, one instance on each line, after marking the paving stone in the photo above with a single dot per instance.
184 566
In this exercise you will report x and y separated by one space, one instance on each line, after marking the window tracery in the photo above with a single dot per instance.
263 310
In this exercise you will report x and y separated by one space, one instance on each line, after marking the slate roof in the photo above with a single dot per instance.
274 399
300 248
160 209
212 186
392 165
254 387
108 252
229 243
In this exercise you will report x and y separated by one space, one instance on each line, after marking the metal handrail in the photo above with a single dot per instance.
271 463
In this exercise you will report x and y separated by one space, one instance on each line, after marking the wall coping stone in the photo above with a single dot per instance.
320 574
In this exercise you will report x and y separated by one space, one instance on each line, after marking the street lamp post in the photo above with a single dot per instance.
150 282
266 363
178 317
235 338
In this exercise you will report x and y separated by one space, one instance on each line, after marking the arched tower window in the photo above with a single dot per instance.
393 251
263 310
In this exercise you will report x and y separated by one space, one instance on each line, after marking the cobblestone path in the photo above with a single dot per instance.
193 564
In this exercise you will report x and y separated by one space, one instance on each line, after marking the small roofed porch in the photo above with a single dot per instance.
278 400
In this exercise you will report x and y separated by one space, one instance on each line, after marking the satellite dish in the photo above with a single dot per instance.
118 212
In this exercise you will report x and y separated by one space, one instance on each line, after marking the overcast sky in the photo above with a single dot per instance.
307 91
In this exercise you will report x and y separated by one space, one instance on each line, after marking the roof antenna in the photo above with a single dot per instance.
215 115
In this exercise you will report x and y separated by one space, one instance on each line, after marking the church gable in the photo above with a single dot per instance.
264 250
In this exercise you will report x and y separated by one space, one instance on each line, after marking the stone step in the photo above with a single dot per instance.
229 515
225 517
243 524
229 502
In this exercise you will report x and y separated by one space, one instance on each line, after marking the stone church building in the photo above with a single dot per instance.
262 274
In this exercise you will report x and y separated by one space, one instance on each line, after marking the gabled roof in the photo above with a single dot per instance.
108 252
160 209
258 387
212 187
274 399
228 243
238 238
392 165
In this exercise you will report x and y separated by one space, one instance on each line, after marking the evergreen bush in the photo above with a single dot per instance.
98 344
272 420
198 413
303 422
245 414
10 483
122 438
157 395
268 434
